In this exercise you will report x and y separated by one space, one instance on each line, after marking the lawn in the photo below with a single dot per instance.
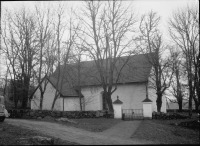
11 135
89 124
163 132
94 124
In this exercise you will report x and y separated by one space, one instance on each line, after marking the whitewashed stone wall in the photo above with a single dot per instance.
48 99
131 95
70 104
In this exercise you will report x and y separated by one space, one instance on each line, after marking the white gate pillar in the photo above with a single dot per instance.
117 106
147 108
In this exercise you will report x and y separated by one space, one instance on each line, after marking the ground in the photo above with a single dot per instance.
103 131
161 131
118 134
10 135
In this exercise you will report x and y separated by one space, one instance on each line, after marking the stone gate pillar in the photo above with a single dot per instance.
147 108
117 106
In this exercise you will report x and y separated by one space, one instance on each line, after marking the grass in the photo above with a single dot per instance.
10 135
163 132
89 124
94 124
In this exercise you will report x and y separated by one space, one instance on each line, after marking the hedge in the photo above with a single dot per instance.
183 110
168 116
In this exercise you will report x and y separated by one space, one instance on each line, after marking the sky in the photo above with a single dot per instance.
163 7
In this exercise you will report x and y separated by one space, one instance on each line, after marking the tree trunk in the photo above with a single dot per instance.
41 100
159 102
196 106
16 101
180 104
80 103
15 97
190 106
109 102
25 92
54 101
25 97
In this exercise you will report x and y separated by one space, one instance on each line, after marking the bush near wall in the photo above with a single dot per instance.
168 116
183 110
39 114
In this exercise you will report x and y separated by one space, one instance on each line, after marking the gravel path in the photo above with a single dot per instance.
119 134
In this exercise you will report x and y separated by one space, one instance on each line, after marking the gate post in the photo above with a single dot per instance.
147 108
117 106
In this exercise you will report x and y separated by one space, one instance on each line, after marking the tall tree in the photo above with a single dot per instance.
45 44
75 76
18 36
184 32
151 41
63 45
105 37
178 77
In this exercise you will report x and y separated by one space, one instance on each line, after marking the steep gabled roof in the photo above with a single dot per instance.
137 69
67 89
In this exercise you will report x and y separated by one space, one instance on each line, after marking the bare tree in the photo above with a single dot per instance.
105 38
75 73
177 84
63 45
11 55
151 41
18 36
43 33
184 31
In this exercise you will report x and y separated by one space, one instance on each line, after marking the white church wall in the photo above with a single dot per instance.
131 95
47 100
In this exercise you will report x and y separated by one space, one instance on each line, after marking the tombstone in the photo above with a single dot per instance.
117 106
147 108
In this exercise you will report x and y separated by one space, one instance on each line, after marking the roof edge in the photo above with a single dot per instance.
147 100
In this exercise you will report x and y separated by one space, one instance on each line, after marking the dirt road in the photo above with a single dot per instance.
82 136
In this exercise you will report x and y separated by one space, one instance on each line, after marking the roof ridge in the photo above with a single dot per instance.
119 57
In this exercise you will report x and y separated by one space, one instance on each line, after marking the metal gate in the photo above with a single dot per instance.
132 114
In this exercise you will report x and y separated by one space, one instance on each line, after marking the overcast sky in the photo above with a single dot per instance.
164 8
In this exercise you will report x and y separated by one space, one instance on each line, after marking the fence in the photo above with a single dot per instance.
132 114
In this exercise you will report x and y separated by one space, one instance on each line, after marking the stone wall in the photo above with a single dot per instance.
39 114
